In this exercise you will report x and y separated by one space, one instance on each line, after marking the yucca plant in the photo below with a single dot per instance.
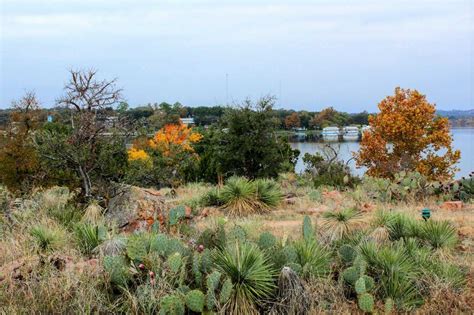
313 258
380 224
46 238
438 234
337 224
89 236
268 193
395 272
239 197
402 226
251 275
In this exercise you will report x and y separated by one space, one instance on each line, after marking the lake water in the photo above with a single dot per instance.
463 139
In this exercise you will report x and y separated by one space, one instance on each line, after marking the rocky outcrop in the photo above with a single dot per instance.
133 208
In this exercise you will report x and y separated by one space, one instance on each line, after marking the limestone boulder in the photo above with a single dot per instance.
132 208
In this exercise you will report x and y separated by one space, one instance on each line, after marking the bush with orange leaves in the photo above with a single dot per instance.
407 135
164 159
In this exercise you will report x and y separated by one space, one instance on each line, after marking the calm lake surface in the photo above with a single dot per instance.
463 139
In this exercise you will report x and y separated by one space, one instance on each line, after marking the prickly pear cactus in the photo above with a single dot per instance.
347 253
266 240
237 234
174 262
172 305
369 282
137 247
212 282
366 302
159 244
351 275
297 268
360 286
308 232
226 291
388 306
117 269
196 269
195 301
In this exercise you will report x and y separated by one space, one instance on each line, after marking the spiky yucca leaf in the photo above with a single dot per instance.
396 273
439 234
314 259
268 193
46 238
239 197
337 224
89 236
251 275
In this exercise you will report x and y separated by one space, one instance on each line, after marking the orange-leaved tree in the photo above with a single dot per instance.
407 135
165 157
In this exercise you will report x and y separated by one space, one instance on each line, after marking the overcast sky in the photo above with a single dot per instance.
310 54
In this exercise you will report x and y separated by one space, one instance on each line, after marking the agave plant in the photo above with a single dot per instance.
438 234
337 224
251 275
238 197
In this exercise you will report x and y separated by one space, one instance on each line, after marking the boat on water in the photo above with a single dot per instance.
350 133
330 134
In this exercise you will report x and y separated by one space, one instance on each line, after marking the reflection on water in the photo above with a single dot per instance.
463 139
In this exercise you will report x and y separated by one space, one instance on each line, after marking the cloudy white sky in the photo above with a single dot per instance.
310 54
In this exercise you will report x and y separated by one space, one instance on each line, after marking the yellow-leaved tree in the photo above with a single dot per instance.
166 159
407 135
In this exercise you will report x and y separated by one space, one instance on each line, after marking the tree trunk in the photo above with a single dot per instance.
86 182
